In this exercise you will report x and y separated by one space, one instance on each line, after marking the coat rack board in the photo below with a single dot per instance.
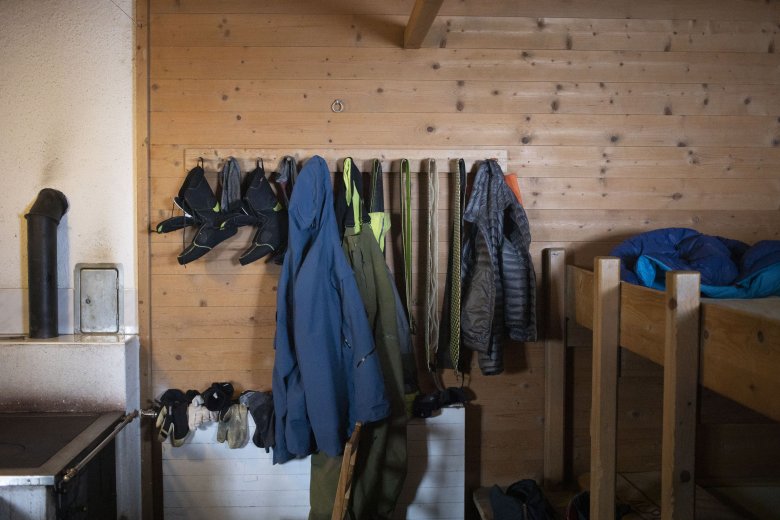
363 157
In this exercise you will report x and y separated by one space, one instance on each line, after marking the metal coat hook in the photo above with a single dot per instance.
337 106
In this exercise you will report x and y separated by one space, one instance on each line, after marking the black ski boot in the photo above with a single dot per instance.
270 217
201 209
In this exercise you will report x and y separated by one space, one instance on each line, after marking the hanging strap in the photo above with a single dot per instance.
455 294
230 186
380 221
286 176
449 338
406 239
348 204
432 285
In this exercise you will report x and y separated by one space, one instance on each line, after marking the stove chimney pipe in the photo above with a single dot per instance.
42 222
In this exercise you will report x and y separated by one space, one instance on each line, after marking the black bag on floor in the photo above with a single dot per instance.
523 500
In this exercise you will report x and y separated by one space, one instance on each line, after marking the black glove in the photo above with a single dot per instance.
172 419
261 407
218 398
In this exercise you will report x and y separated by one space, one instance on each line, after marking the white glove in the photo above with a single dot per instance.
198 414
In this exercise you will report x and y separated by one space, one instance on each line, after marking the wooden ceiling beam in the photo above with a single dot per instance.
420 21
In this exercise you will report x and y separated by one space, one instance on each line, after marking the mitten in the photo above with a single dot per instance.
233 426
261 407
173 424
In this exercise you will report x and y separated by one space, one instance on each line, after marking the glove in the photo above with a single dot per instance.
233 426
218 397
198 414
172 419
162 433
261 407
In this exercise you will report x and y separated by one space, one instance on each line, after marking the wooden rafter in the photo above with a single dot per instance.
423 14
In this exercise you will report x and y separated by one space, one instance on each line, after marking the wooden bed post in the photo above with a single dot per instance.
681 377
554 278
603 414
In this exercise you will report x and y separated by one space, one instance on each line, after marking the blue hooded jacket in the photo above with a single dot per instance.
326 374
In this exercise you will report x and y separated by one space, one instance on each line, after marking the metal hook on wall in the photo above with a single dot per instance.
337 105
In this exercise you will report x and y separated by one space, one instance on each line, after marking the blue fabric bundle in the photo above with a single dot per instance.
729 268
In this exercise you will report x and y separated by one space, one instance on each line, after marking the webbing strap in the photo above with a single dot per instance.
455 263
230 186
432 285
380 221
352 195
286 176
406 238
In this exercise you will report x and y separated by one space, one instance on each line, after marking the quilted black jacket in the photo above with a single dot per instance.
499 285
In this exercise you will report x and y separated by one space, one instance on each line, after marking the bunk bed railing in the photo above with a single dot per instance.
731 347
740 350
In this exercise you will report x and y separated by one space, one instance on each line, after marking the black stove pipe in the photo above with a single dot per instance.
42 222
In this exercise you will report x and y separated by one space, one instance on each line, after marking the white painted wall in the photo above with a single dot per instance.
66 122
203 479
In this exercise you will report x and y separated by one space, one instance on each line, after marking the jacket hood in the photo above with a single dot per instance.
311 203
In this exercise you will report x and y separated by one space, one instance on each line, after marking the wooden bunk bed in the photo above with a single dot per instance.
729 346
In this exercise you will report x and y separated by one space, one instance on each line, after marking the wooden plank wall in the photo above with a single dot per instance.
618 116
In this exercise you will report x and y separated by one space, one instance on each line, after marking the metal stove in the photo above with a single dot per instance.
58 465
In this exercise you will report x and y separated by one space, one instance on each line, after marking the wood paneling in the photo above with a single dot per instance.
582 34
642 321
478 96
458 32
751 10
446 130
724 366
347 63
617 116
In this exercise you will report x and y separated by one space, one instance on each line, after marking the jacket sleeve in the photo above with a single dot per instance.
283 366
369 401
405 345
479 294
292 428
517 277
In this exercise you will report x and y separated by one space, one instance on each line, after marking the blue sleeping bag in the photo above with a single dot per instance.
729 268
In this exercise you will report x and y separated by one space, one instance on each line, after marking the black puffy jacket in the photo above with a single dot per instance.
499 285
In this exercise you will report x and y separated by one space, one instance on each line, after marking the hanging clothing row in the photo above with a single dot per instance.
494 271
343 345
343 348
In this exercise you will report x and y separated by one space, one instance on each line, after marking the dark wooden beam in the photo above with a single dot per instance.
554 282
420 21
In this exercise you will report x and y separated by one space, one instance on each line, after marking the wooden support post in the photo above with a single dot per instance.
151 455
681 376
423 14
554 278
603 414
